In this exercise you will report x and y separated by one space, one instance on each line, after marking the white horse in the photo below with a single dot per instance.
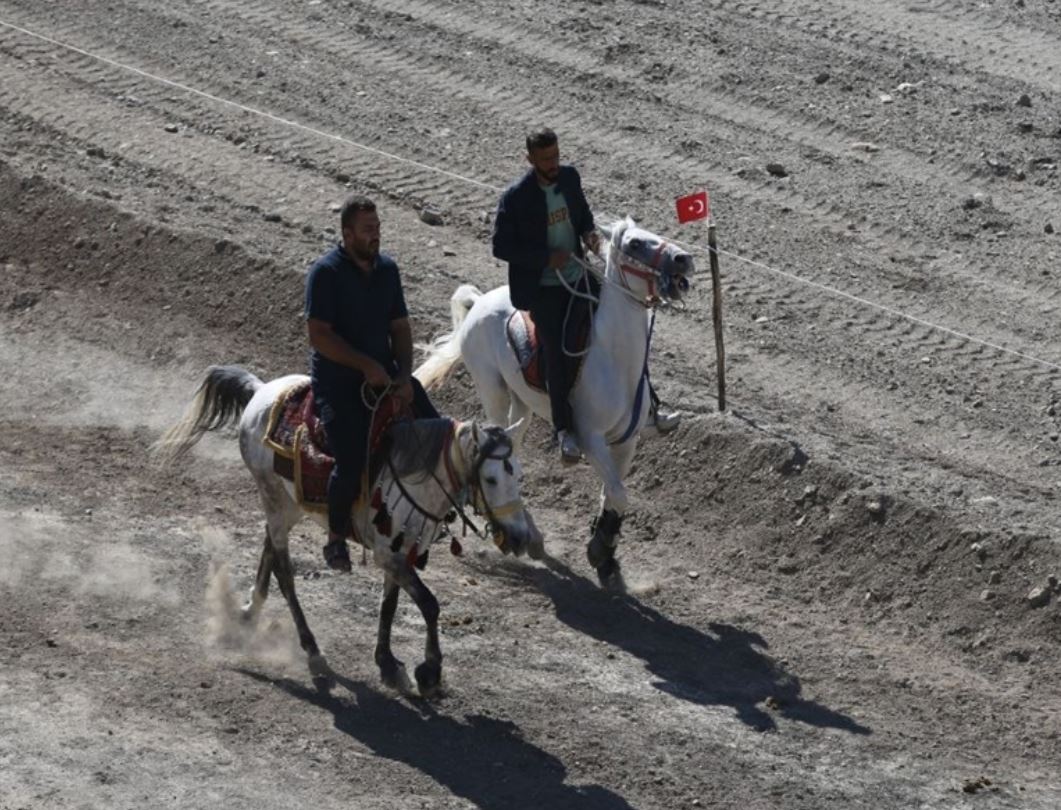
610 399
433 467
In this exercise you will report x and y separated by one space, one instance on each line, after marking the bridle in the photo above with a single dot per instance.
651 274
465 479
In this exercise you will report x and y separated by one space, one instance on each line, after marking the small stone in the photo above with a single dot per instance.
448 251
994 578
987 595
1038 597
272 216
776 169
865 146
971 203
1048 227
430 216
171 128
821 78
96 152
885 98
1024 101
875 508
1052 582
694 575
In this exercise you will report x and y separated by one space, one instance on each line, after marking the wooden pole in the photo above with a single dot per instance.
716 314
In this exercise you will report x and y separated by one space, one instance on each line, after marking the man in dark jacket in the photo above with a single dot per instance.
543 224
359 332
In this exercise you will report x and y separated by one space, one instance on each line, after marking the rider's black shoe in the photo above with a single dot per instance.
337 555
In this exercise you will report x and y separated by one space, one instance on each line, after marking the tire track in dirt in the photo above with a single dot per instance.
1023 56
600 135
725 109
907 338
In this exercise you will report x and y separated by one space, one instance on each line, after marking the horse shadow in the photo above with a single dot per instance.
483 760
726 666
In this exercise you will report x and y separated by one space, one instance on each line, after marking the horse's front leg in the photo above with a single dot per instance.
429 673
612 463
391 670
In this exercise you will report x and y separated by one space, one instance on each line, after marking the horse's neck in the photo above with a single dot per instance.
620 327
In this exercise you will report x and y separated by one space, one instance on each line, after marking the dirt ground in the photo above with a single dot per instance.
841 589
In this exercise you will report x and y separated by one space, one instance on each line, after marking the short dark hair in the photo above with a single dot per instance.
350 208
541 138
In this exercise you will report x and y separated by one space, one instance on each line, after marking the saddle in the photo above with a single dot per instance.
523 338
301 454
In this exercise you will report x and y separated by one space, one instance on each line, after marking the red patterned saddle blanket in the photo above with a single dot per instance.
523 338
301 454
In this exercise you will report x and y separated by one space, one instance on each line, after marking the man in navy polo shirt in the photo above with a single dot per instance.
359 332
542 228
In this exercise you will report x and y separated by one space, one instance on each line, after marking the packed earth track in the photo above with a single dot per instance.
843 590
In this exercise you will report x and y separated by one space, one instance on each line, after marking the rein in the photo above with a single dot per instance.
479 503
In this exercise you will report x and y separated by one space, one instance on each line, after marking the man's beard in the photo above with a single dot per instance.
366 253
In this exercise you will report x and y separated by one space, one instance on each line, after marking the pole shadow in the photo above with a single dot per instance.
726 666
482 760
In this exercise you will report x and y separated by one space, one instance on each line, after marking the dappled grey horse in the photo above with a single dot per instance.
433 467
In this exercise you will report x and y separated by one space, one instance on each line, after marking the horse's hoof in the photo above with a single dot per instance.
323 676
392 673
428 677
610 575
598 552
536 549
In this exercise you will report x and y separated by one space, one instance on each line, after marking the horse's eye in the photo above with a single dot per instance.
508 467
491 480
637 243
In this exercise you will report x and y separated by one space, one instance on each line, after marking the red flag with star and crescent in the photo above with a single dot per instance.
693 207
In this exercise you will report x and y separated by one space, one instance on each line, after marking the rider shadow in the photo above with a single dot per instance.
483 760
724 667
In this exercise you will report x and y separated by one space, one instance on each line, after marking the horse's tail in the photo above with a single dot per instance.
444 352
220 400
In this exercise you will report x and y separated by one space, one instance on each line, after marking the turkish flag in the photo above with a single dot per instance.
693 207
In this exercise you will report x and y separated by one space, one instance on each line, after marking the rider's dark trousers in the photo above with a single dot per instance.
549 312
346 424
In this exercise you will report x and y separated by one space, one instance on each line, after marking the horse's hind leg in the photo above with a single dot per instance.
261 581
493 393
284 572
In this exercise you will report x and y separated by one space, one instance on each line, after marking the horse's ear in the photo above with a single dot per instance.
607 231
513 429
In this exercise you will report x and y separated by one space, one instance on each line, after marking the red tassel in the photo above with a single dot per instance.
410 558
455 547
377 499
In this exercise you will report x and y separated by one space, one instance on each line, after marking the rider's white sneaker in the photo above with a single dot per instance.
664 420
570 452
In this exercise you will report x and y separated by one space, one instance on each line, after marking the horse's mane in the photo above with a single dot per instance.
416 445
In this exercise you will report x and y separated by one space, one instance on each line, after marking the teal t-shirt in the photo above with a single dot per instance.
562 236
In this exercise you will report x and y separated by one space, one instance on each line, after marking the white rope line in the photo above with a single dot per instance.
253 110
890 310
489 187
